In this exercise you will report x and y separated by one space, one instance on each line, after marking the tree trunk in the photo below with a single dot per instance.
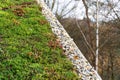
90 34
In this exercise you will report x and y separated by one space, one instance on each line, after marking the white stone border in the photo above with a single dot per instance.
82 66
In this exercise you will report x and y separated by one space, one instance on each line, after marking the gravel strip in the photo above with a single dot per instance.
81 65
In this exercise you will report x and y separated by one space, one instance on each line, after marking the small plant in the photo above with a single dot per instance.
19 12
42 22
55 44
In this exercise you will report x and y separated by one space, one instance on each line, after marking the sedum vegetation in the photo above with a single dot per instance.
27 51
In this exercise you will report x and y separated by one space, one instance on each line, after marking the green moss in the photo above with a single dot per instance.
25 53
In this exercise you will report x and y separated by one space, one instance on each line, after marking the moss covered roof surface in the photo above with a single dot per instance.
28 48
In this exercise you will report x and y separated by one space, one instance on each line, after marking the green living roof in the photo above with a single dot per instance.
28 48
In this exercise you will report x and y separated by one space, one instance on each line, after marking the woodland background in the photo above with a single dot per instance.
83 31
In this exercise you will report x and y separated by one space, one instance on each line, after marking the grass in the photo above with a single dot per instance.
27 51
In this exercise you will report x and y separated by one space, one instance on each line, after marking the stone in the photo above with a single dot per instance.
81 65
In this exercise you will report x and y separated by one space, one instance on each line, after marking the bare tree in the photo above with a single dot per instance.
109 40
60 9
97 38
84 33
